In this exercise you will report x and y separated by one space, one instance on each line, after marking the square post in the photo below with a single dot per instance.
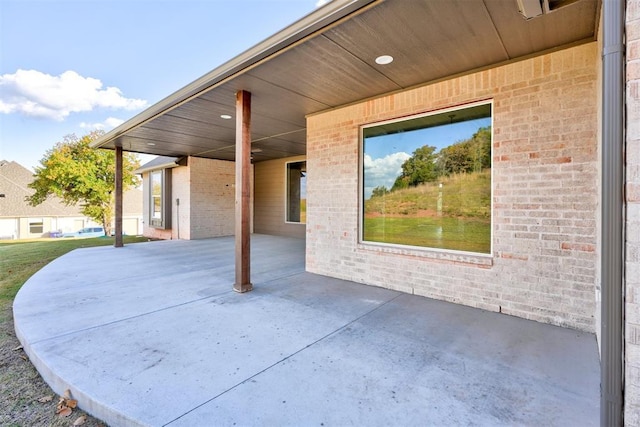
118 208
243 192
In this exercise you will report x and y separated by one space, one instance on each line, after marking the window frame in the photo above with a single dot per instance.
428 251
164 222
287 189
37 222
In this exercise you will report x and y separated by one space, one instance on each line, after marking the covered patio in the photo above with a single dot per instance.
153 334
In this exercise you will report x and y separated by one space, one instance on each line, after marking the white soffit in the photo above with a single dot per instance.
328 59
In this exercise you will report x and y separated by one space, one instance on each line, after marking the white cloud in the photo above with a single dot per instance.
382 171
113 122
322 2
37 94
108 124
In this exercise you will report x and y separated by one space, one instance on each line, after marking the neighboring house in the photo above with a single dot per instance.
19 220
332 96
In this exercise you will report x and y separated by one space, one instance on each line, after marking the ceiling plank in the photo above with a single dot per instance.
336 66
321 70
428 40
563 26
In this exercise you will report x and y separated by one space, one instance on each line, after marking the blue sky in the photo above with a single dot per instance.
385 154
74 66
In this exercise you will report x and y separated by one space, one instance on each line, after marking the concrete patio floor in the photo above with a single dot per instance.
153 334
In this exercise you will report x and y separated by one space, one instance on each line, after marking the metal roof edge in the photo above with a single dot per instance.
310 23
159 162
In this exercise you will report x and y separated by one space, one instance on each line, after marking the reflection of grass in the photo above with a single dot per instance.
471 235
455 216
303 211
463 195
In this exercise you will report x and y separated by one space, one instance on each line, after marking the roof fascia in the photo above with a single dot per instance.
166 165
309 24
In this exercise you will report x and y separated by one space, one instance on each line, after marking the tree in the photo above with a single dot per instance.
77 173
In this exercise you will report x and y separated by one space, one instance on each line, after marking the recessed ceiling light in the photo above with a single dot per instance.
151 144
384 59
225 116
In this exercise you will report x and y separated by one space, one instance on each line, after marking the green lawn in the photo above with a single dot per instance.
20 259
22 386
463 234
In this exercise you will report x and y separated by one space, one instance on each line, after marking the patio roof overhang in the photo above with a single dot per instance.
327 60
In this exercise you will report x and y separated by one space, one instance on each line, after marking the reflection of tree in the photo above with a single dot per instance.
417 169
470 155
157 188
425 165
379 191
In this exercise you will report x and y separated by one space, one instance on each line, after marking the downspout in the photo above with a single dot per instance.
612 261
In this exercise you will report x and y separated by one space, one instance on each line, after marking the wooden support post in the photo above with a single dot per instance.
118 208
243 192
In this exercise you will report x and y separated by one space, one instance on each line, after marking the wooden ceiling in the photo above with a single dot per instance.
335 65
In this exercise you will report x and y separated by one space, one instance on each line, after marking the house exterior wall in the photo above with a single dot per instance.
9 228
206 208
632 273
270 199
212 198
545 176
181 214
18 228
24 229
154 232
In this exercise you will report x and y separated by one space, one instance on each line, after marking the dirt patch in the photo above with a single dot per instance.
21 386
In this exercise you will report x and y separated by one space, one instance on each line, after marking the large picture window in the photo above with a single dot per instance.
297 192
426 180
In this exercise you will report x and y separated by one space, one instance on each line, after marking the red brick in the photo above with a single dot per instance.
583 247
633 192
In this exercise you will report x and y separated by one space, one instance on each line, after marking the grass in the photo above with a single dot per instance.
20 384
454 213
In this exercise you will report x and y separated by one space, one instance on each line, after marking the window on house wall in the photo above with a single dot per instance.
159 204
36 226
156 195
296 192
426 180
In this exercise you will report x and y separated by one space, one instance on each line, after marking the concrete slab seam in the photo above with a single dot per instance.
124 319
346 325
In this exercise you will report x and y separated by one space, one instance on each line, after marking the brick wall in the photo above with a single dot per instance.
632 329
206 191
178 189
212 203
270 199
545 193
